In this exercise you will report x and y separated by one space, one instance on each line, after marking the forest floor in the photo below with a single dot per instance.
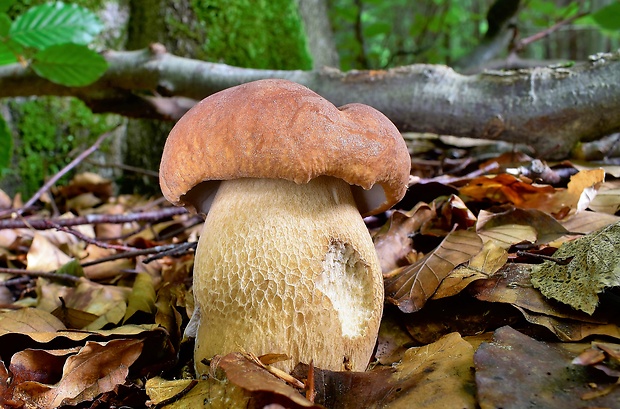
501 277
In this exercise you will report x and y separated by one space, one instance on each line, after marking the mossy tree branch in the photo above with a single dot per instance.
549 108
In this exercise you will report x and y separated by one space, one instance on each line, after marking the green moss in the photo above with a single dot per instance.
50 131
253 33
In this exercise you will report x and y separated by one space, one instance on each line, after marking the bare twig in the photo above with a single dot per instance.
123 166
174 248
44 274
64 171
521 44
559 261
90 240
45 224
178 249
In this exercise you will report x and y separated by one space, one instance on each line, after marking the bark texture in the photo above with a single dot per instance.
549 108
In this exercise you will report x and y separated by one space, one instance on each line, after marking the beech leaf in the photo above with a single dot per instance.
516 371
410 287
96 368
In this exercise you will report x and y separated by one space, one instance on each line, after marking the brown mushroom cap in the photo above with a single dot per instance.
279 129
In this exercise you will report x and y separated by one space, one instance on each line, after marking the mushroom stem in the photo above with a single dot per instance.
287 268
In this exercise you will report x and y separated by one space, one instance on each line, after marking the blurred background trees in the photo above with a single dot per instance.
468 35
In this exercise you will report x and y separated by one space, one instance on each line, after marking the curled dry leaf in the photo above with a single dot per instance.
96 368
237 382
393 241
505 188
410 287
483 265
190 393
570 330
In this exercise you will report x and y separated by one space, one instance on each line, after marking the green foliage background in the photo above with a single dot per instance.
50 132
374 34
253 33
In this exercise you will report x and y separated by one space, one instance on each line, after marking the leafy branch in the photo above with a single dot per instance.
53 39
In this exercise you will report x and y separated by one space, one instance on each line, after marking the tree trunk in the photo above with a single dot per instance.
318 33
550 109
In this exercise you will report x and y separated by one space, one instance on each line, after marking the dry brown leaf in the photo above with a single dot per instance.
38 365
515 371
410 287
44 256
87 182
189 393
72 318
393 339
5 200
608 198
29 321
107 302
547 228
483 265
5 392
570 330
263 387
512 285
441 373
393 241
507 235
587 222
42 327
107 270
96 368
433 376
505 188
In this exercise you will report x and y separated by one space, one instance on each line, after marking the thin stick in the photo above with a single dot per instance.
45 274
64 171
46 224
545 33
140 252
96 242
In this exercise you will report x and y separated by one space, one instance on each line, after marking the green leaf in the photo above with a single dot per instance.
5 5
72 268
6 55
377 28
72 65
55 23
5 24
608 18
6 144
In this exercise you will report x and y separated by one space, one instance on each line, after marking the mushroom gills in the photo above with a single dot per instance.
287 268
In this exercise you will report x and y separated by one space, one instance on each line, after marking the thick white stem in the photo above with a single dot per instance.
287 268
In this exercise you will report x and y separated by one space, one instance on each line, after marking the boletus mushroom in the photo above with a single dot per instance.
285 263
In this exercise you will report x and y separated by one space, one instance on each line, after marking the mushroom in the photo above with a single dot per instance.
285 263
